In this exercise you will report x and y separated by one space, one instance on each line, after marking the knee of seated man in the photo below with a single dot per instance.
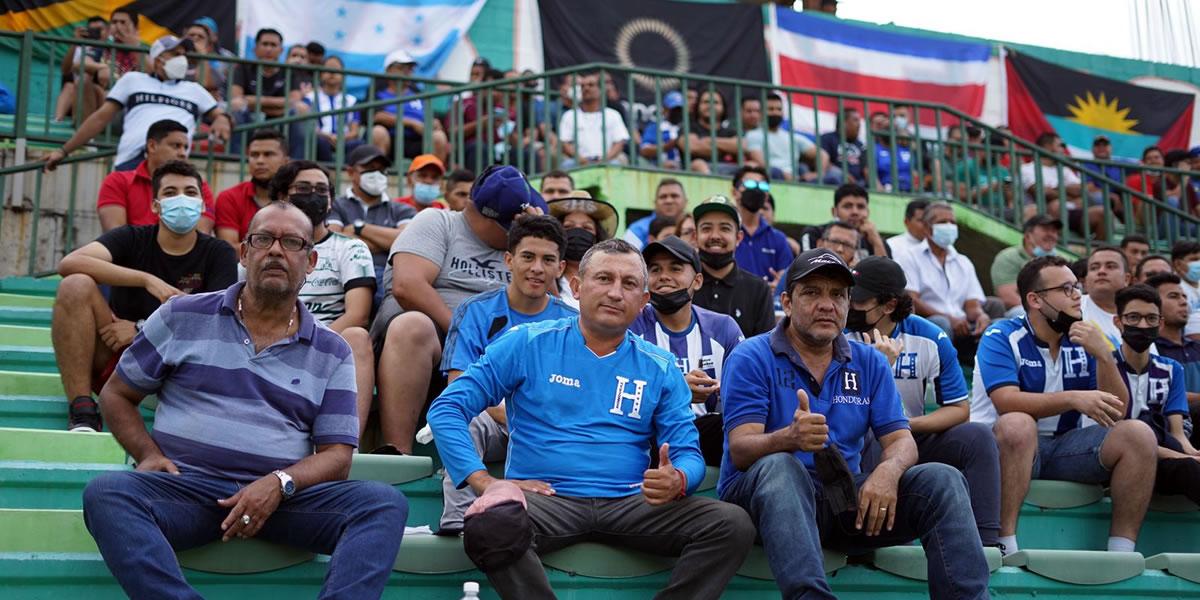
381 499
1134 436
412 329
939 479
358 339
1015 429
978 437
782 465
76 286
105 487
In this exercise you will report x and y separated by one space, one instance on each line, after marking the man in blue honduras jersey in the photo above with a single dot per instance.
700 339
1051 390
1157 390
584 398
926 363
535 259
803 397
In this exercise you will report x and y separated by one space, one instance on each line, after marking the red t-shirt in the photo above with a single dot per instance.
413 203
236 207
131 190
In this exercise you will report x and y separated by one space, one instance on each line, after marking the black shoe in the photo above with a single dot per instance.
84 415
388 450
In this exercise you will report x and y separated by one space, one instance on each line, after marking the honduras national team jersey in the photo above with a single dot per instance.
1010 354
1160 388
481 319
927 363
580 422
704 346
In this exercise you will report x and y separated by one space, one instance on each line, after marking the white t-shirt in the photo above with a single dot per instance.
779 147
148 99
945 288
343 263
591 144
1049 177
1092 312
902 244
320 102
1193 296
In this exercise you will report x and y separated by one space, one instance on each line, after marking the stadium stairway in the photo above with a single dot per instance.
46 552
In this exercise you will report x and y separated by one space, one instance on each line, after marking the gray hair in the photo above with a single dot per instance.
615 246
933 207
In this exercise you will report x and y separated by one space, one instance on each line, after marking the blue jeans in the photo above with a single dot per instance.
794 521
1072 456
141 519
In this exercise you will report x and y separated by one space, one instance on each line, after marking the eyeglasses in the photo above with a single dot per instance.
1133 319
839 244
1068 289
264 241
754 184
319 189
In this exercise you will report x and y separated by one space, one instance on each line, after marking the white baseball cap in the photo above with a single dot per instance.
169 42
398 57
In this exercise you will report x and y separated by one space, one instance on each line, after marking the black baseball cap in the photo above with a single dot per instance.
1101 139
876 276
365 154
498 536
675 247
1040 221
818 260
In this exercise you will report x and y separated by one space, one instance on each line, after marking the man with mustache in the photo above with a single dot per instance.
727 288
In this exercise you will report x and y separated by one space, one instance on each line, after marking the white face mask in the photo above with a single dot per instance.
373 183
175 68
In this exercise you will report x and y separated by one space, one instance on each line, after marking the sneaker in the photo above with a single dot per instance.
84 415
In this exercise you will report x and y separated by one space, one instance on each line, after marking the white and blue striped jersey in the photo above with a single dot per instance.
708 340
927 365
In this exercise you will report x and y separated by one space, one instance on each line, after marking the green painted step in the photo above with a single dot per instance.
19 335
44 412
30 286
25 301
59 446
36 317
16 383
37 359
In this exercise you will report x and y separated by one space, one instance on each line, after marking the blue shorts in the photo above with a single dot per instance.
1072 456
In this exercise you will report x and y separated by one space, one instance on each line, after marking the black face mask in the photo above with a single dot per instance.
716 260
578 242
315 206
671 302
856 320
1061 323
774 121
675 116
753 200
1139 338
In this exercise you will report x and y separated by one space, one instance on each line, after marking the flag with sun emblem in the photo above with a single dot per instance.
1044 97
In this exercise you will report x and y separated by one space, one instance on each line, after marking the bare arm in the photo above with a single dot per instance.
412 285
358 309
385 118
118 405
230 235
377 236
1011 399
112 216
95 261
92 126
941 419
1008 293
614 150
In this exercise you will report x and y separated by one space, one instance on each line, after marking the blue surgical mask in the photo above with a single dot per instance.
945 234
1193 273
1040 251
180 213
426 193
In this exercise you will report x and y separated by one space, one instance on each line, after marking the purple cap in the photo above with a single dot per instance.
501 193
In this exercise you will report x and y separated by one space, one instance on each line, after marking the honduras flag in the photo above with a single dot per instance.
363 32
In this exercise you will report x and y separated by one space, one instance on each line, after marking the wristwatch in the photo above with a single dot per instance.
287 487
358 227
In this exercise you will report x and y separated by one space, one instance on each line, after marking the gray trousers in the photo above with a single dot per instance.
491 442
710 537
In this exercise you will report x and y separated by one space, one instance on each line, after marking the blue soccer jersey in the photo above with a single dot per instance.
927 364
580 422
480 319
1010 354
1159 388
704 346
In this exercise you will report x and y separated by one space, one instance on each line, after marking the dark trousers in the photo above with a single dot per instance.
1178 476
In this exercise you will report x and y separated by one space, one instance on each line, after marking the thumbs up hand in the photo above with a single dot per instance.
808 431
663 484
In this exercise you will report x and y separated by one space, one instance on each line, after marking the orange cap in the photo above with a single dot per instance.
424 160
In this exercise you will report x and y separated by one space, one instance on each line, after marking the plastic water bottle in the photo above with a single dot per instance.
470 591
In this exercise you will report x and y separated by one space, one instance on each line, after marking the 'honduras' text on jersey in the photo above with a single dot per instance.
1010 354
708 340
482 318
580 422
927 363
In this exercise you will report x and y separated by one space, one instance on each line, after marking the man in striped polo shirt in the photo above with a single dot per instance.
255 426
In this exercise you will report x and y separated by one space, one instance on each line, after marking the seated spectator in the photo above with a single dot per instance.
926 363
846 151
782 149
1185 260
316 53
662 227
126 197
670 201
206 474
174 99
212 74
146 265
914 228
457 187
274 98
482 121
1107 273
1150 266
586 222
338 290
1039 238
851 205
1135 246
407 117
1171 342
841 239
686 230
535 259
713 144
557 184
699 339
1049 387
726 288
441 259
660 138
1048 170
1157 392
297 54
334 129
1102 151
943 283
762 249
785 434
905 168
424 179
1148 182
96 74
710 538
237 205
591 133
974 179
1180 193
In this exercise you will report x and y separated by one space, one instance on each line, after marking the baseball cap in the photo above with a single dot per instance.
1101 139
497 530
582 201
876 276
673 99
818 260
1194 152
398 57
1041 221
365 154
501 193
675 247
424 160
717 202
208 23
169 42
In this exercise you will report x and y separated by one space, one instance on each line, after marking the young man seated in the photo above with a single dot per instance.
146 265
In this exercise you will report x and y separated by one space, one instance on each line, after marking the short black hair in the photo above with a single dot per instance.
740 174
162 128
268 31
1080 269
1162 279
96 19
1046 137
558 174
1030 276
459 176
853 189
1182 248
1109 248
774 96
838 224
174 167
914 205
315 48
659 223
1141 266
544 227
278 188
1134 238
268 134
1137 291
1150 149
127 11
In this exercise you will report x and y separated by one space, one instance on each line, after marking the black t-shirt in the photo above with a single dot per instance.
210 266
272 85
742 296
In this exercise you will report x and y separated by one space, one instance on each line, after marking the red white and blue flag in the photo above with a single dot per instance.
824 53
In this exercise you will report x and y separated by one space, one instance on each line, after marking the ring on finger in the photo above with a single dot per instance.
245 519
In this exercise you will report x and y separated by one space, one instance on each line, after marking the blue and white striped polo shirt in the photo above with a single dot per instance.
704 346
227 412
927 363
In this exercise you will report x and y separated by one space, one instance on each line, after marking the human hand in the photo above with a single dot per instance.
663 484
1089 335
56 156
118 334
773 280
1103 407
221 128
808 431
702 385
533 485
877 500
257 501
157 462
160 289
889 346
981 320
960 327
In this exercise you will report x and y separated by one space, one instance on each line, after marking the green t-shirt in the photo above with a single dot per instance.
968 171
1008 264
